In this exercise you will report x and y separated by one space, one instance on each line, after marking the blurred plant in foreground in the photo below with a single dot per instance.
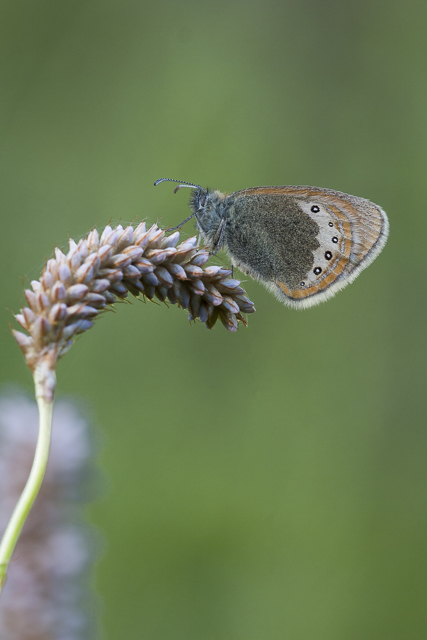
75 287
46 596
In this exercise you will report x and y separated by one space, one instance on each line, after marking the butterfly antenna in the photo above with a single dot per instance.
190 185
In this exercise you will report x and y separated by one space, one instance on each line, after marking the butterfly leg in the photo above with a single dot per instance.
219 237
178 226
199 222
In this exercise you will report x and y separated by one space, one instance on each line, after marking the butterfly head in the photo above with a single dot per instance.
208 207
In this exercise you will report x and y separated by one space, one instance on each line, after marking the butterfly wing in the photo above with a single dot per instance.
341 233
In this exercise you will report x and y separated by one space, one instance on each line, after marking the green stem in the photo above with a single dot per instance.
34 481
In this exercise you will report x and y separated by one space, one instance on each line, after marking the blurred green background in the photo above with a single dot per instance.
269 484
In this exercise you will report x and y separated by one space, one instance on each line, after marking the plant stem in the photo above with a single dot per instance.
34 481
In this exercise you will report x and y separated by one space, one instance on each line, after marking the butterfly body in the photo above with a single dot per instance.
303 243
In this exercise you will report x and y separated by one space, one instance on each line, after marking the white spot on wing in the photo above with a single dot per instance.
324 237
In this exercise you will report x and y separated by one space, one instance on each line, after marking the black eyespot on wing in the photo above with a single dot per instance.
328 255
317 270
331 224
335 239
315 209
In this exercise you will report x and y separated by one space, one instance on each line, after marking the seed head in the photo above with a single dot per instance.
101 269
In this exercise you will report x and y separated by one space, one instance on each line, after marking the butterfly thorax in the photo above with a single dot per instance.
211 208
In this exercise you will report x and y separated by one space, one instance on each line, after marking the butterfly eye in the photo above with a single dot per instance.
315 209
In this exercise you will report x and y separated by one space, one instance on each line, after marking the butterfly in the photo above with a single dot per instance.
303 243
